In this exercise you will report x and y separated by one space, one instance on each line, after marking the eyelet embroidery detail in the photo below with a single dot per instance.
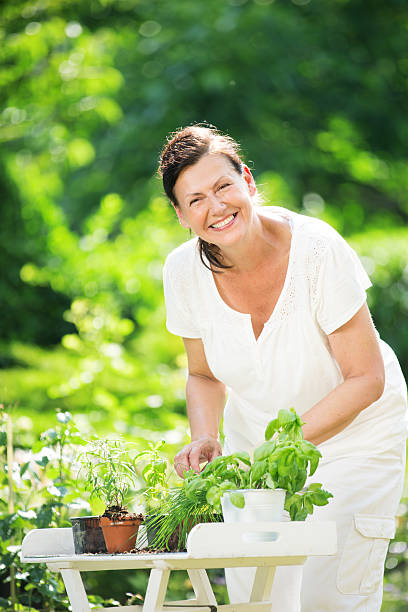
314 258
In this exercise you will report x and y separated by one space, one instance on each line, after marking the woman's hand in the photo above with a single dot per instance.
198 451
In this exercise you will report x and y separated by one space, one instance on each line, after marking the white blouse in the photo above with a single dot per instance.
290 364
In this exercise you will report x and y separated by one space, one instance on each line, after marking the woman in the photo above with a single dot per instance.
271 306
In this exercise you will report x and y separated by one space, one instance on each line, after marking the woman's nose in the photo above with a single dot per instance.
216 203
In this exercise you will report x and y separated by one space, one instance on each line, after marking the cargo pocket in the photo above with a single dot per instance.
362 562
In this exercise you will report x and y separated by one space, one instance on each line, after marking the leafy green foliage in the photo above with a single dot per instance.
46 492
109 471
179 512
384 255
83 82
396 565
89 91
156 475
44 495
281 462
278 463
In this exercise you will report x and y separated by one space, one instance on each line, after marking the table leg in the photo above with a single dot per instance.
202 587
262 587
156 590
75 590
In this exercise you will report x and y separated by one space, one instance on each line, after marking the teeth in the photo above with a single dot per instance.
222 223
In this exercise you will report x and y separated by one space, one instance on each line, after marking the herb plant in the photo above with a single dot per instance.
179 513
161 502
109 472
155 475
283 461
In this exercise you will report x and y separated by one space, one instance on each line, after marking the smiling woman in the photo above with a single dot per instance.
221 204
227 172
272 307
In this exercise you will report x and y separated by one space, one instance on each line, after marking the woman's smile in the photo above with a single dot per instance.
213 198
224 223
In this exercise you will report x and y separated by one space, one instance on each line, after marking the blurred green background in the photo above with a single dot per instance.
315 92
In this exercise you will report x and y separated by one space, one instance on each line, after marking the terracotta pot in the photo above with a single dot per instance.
88 536
120 535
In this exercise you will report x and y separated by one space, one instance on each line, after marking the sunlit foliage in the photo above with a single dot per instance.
315 92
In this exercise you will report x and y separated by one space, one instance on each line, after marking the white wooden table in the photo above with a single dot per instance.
210 545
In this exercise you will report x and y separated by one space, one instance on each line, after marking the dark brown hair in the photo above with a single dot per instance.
186 147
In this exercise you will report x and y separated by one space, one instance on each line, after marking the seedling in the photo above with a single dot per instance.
155 475
109 472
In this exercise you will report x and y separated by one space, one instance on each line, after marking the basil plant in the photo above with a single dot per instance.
284 461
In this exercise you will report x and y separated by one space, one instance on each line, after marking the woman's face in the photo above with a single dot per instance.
214 200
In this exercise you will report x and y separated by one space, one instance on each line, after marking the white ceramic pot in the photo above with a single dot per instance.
260 505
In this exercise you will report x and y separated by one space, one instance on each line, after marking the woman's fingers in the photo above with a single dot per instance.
204 450
181 461
190 457
217 452
197 455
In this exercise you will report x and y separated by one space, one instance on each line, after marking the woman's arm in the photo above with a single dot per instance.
205 405
356 350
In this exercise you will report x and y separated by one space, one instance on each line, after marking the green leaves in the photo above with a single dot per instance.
286 416
271 429
258 469
314 462
215 493
287 423
194 486
288 456
299 505
237 499
109 470
312 454
317 495
213 496
243 457
281 462
154 474
216 464
294 505
263 451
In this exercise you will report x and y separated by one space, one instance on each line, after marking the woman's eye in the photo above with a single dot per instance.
223 185
194 201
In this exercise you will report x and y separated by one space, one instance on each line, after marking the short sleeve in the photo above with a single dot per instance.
179 319
341 285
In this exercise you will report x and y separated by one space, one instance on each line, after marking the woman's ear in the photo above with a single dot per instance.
249 179
180 216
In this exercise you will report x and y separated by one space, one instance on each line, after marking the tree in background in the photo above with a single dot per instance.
315 93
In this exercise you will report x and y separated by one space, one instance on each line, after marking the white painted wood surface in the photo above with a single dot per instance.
206 541
262 539
49 543
75 590
210 545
